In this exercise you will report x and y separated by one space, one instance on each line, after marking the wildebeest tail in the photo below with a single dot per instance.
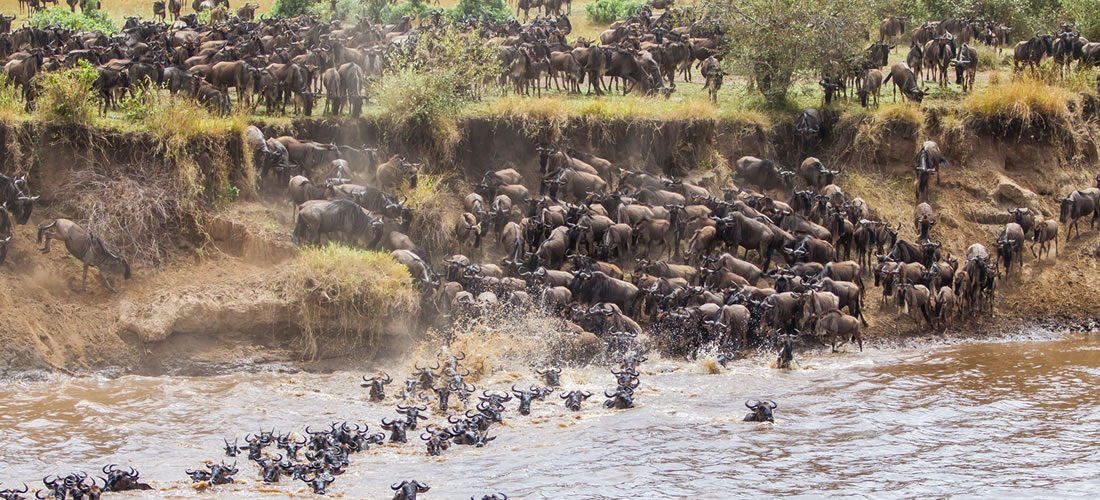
887 79
299 227
42 230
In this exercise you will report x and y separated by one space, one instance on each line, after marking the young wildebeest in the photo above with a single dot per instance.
869 84
906 80
1045 232
85 246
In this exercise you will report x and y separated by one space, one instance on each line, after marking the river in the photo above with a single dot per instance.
1017 418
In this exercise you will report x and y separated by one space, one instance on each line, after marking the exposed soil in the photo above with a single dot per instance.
207 306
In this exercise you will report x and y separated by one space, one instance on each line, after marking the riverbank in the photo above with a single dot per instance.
198 302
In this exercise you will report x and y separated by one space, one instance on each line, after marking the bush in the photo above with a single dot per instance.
290 8
607 11
89 20
493 10
392 13
345 291
66 96
427 83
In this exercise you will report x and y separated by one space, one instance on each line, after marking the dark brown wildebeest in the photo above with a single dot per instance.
925 32
815 174
572 73
915 59
594 287
938 54
1010 245
869 84
308 154
906 80
20 72
391 173
1025 217
930 158
318 217
1030 53
848 295
713 74
966 67
174 7
808 128
84 246
107 84
594 64
302 190
1045 232
1065 49
879 53
334 92
351 85
763 174
890 28
158 10
1078 204
247 11
235 74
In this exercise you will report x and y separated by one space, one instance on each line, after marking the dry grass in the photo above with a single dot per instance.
1022 106
351 294
436 211
871 128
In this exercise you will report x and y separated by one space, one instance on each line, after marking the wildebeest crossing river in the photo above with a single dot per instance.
1015 418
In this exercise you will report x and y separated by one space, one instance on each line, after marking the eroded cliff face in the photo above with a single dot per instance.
208 304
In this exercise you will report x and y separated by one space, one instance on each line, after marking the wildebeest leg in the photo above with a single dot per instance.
106 282
84 280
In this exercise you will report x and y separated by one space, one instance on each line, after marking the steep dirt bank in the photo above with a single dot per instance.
203 300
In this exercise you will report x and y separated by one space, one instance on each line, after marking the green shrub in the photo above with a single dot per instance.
427 83
66 96
606 11
392 13
290 8
90 20
494 10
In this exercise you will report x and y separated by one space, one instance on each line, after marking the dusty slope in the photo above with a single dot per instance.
209 309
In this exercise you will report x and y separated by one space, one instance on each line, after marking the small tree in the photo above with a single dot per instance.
773 42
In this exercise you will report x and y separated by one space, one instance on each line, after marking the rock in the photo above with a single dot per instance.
1012 195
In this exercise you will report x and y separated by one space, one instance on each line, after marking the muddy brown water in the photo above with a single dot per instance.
1015 418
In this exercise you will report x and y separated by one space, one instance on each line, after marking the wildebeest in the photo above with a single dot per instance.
84 246
713 74
906 80
1010 245
318 217
1030 53
761 411
407 490
891 27
757 172
870 84
930 158
1045 233
966 67
1078 204
808 128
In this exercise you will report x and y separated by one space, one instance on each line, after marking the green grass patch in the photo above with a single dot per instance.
346 293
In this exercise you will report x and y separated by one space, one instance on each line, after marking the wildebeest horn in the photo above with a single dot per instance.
751 407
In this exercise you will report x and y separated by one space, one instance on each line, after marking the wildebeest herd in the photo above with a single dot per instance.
317 457
617 253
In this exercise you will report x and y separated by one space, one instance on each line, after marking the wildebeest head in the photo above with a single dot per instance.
551 376
573 399
761 411
110 263
14 494
407 490
377 386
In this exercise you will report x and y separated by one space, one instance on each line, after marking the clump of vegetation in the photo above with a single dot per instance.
493 10
11 103
347 293
429 82
607 11
88 20
436 211
66 96
290 8
1023 104
773 43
